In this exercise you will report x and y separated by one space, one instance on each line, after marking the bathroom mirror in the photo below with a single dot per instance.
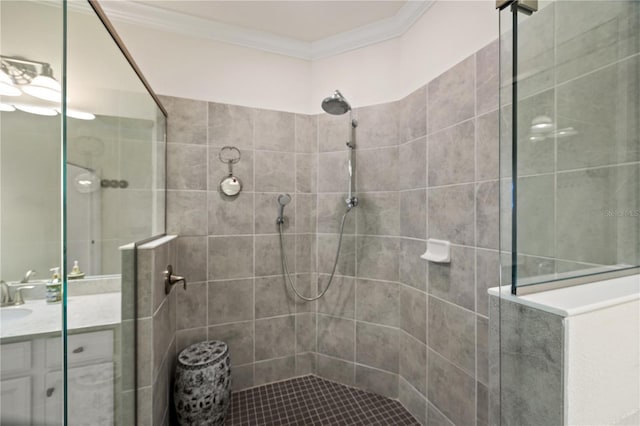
231 186
115 134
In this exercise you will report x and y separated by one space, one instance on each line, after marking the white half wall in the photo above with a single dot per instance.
198 68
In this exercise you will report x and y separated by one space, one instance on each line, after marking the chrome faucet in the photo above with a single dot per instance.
30 273
4 293
7 300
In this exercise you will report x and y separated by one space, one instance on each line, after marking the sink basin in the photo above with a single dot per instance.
12 314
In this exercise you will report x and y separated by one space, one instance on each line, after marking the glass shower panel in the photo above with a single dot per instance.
576 152
31 46
115 197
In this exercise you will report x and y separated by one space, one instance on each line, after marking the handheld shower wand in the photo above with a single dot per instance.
283 200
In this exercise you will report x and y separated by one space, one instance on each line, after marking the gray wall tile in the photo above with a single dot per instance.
273 297
230 257
239 337
306 173
191 306
451 213
411 399
451 390
452 155
413 312
452 96
413 164
377 169
488 146
231 125
242 377
186 166
413 115
487 276
230 216
340 298
377 258
274 370
380 382
482 349
452 333
377 125
335 369
306 133
333 132
187 212
413 269
191 254
230 301
455 282
275 337
377 346
275 171
333 172
413 362
269 257
306 363
188 120
487 77
413 213
327 246
306 332
335 337
274 130
487 214
377 302
377 213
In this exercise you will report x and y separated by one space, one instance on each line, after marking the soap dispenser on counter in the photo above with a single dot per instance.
54 287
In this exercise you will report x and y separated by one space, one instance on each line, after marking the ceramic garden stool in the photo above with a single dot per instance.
202 390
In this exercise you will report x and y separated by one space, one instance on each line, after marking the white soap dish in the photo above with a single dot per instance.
438 251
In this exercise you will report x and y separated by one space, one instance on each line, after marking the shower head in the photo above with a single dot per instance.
336 104
283 200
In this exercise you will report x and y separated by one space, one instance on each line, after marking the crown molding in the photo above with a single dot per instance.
148 16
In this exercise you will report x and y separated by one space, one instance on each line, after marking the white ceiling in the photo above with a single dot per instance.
306 29
306 21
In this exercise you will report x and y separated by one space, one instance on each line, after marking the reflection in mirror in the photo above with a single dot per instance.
113 182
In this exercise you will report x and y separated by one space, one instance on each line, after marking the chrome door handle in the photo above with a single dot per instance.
170 280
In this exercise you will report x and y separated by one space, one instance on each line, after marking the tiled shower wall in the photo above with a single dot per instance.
427 167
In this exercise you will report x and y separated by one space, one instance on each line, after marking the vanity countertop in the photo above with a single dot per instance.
89 311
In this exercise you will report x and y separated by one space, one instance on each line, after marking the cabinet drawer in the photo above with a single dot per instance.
15 357
82 348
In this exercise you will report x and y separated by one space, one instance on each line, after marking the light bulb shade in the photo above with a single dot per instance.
80 115
44 87
38 110
7 88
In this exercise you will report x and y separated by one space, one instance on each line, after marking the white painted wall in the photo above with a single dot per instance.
198 68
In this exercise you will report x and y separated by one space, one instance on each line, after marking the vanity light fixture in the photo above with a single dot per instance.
44 86
7 108
7 88
34 78
38 110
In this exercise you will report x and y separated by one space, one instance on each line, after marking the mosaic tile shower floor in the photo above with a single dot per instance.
310 401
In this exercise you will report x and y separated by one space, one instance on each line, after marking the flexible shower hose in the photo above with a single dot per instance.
333 271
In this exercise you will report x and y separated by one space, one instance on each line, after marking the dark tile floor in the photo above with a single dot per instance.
310 400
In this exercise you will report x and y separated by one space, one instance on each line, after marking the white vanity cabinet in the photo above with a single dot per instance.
15 392
37 384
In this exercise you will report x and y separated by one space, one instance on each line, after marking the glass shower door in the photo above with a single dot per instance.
571 90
